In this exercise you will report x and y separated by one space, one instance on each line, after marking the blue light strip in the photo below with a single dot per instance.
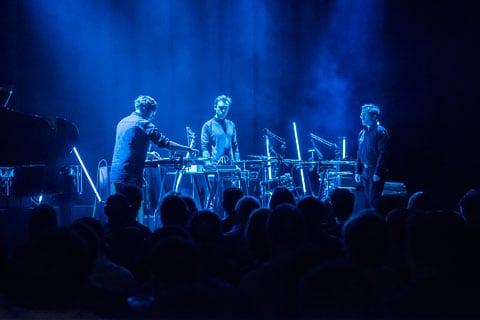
267 144
86 173
299 157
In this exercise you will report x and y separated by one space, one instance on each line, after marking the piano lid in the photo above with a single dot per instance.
30 139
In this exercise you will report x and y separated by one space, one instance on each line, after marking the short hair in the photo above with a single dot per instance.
244 208
225 99
371 109
281 195
343 202
145 104
117 207
134 195
174 210
231 195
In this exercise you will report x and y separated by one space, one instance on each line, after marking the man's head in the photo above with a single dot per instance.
146 107
369 114
221 105
342 202
231 196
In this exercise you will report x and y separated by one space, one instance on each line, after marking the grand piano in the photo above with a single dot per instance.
32 154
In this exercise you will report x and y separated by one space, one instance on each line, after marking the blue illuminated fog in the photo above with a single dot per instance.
314 62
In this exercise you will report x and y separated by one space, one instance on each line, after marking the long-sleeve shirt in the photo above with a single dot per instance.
219 138
133 137
372 149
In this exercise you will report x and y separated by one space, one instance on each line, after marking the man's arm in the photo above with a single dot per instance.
174 146
382 147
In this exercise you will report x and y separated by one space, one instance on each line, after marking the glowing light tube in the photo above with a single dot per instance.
267 145
86 173
299 157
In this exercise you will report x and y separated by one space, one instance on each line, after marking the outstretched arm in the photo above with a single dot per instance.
174 146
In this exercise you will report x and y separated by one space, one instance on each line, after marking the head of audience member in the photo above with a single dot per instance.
419 201
314 212
174 210
192 207
365 239
281 195
42 218
205 227
469 207
118 209
244 207
342 202
146 107
256 234
231 195
285 228
221 105
135 197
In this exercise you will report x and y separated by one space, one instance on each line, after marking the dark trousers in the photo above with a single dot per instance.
373 190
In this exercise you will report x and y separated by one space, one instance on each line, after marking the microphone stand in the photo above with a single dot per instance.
326 188
314 137
327 143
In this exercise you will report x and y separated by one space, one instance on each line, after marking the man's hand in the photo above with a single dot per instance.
224 160
357 178
376 178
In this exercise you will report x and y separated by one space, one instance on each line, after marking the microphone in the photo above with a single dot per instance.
272 135
189 131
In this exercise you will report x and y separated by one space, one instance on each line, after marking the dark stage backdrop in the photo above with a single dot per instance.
314 62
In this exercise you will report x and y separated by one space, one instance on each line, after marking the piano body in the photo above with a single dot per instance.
32 154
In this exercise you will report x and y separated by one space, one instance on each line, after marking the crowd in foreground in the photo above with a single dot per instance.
297 258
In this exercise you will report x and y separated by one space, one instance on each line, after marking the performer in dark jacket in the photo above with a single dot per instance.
133 136
373 143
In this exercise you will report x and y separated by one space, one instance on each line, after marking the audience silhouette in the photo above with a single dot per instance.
297 258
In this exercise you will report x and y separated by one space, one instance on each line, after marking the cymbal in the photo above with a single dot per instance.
347 162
